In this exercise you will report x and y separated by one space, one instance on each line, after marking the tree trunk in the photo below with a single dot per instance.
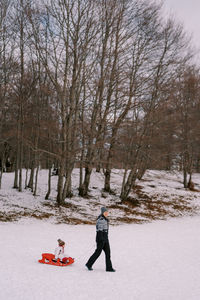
20 166
128 186
61 174
49 185
36 180
2 167
69 193
83 190
17 159
124 180
1 173
67 186
185 181
15 186
80 176
30 183
98 168
107 180
26 178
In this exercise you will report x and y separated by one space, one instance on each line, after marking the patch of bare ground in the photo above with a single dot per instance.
15 216
73 221
61 209
146 180
148 208
127 220
137 189
129 209
37 215
55 205
8 218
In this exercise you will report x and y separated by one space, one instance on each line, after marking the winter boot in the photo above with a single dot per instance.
89 268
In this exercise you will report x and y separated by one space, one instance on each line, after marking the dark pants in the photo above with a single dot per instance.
101 245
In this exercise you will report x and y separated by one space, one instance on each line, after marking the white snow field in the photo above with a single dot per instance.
154 261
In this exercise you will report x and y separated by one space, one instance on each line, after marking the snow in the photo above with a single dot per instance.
160 195
153 261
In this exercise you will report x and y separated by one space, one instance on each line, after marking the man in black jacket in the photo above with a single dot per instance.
102 227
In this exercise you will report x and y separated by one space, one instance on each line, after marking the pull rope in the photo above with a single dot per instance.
84 253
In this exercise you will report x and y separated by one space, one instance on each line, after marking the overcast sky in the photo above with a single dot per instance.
188 13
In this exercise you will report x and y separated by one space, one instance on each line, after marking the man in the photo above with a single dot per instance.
102 241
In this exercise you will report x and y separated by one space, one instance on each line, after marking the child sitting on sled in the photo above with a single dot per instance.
57 259
60 252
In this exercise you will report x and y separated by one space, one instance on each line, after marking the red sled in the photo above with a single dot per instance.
47 258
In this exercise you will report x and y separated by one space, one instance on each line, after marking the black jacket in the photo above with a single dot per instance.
102 227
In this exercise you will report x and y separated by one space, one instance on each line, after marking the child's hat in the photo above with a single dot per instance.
60 242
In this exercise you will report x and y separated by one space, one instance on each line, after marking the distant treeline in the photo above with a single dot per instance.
95 84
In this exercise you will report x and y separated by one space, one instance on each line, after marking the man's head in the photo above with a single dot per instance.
104 211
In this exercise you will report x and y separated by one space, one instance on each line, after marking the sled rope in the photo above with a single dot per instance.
85 252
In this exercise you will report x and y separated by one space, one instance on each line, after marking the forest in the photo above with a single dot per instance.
95 85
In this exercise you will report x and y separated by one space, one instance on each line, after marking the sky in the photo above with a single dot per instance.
188 13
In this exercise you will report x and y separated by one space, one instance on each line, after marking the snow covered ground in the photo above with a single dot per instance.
159 195
154 261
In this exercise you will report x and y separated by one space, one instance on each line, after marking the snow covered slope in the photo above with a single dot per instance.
159 195
154 261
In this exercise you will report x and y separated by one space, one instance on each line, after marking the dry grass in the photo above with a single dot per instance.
73 221
15 216
131 220
139 208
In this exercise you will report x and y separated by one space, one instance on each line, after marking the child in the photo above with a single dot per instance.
59 252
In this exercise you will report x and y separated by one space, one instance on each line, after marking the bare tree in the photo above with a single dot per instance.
186 99
6 68
107 65
68 30
165 58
